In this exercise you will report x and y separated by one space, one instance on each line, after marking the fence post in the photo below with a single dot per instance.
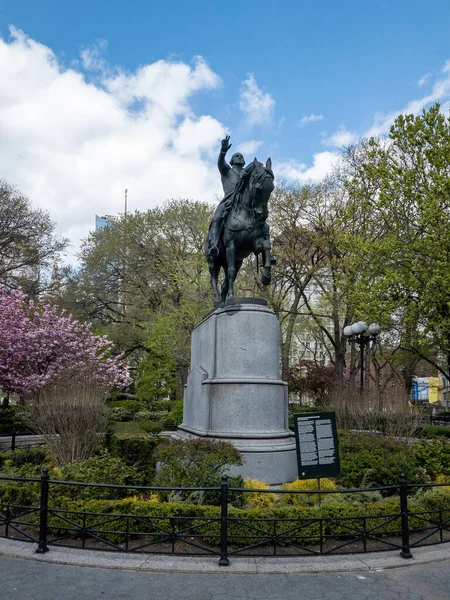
43 512
224 562
13 440
406 551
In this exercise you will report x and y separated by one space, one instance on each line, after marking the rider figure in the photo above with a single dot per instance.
229 175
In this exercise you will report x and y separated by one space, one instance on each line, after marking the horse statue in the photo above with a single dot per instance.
244 229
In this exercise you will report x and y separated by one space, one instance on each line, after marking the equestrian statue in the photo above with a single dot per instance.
239 225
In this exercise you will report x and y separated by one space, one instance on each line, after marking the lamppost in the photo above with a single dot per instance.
362 335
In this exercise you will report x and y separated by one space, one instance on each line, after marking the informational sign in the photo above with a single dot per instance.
317 445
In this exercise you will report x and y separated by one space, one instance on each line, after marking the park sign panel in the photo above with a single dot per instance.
317 445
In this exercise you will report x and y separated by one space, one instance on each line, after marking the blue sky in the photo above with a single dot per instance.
345 68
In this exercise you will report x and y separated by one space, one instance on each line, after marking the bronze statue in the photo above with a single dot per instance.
239 224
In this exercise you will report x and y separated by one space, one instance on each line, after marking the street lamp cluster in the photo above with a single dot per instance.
362 334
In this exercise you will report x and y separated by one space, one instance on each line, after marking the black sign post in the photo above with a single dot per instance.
317 445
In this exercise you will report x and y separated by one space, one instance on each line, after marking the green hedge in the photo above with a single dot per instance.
244 527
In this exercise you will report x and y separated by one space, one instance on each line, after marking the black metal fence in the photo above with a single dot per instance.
223 532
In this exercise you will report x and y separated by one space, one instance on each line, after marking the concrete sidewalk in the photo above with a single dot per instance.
375 561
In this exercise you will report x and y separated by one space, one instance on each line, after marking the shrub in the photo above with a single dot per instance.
197 463
98 469
306 484
151 415
10 420
258 499
151 426
118 413
32 456
162 405
295 524
131 406
177 412
371 460
137 453
71 417
433 456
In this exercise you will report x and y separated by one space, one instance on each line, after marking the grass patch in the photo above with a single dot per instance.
126 429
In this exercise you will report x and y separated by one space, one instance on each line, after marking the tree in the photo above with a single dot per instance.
309 229
143 270
28 243
311 379
404 181
38 346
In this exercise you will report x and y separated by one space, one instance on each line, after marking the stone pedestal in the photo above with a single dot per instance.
234 392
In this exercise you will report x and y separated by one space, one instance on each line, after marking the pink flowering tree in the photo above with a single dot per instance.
39 346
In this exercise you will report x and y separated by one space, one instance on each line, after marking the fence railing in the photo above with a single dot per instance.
221 531
20 439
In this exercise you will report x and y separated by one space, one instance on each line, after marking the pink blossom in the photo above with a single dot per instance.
38 345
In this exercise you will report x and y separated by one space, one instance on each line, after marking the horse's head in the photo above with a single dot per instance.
261 185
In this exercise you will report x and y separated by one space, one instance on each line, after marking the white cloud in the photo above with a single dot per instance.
311 119
92 57
257 105
323 163
73 146
439 92
249 148
422 81
340 138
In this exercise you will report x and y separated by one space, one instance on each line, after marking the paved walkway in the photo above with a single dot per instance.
70 574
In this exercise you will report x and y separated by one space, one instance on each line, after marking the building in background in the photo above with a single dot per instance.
102 222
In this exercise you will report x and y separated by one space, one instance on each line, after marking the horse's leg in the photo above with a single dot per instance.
267 273
214 268
231 261
224 291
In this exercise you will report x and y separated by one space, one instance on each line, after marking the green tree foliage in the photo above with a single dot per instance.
403 183
144 281
309 228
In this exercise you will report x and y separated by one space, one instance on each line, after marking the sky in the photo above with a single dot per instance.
101 96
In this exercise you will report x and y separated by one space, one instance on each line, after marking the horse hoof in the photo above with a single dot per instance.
265 280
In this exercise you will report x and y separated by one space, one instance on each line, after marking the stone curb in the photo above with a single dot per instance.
375 561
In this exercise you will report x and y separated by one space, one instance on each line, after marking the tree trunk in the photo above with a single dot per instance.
286 346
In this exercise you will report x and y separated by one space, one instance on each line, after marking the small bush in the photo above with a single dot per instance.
177 412
151 426
258 499
118 413
137 453
151 415
132 406
32 456
196 463
162 405
433 456
10 420
371 460
98 469
306 484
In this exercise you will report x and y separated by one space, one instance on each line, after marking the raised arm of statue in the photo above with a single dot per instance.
223 166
